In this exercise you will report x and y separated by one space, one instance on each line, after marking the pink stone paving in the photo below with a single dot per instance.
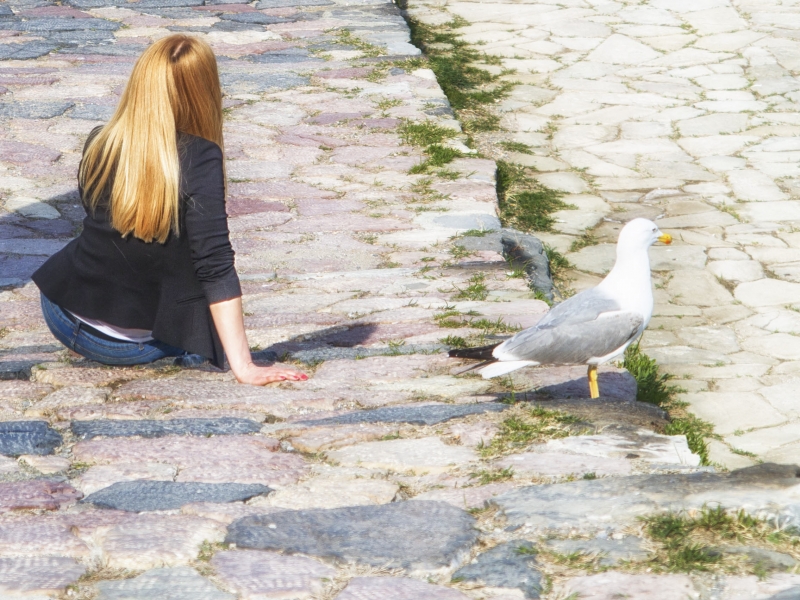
609 586
225 459
41 495
150 541
26 576
348 256
255 574
467 497
380 588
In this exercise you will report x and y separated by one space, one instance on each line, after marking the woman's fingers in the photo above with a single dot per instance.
264 375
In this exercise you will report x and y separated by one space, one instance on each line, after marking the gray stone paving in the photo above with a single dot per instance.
28 437
415 415
423 537
609 551
177 583
87 430
680 111
509 565
613 503
685 112
143 496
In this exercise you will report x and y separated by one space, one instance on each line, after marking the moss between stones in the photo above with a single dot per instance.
472 89
654 388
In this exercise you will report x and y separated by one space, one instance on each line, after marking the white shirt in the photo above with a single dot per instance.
138 336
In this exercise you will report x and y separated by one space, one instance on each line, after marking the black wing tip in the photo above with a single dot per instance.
480 353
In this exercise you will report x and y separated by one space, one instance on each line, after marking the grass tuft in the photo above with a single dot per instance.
653 388
517 147
587 239
476 290
454 341
688 542
485 477
526 426
524 203
424 133
346 38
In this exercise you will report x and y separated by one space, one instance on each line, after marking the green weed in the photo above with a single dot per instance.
476 290
485 477
587 239
517 147
346 38
691 557
653 388
424 133
524 203
526 426
454 341
458 252
489 327
477 232
687 541
559 263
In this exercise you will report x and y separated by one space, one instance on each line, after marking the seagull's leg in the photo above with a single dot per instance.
594 389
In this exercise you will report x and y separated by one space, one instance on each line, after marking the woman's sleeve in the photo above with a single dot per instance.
207 222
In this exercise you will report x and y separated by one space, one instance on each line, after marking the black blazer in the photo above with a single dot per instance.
164 287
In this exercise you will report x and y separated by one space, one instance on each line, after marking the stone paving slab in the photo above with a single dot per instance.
150 541
506 566
101 476
426 455
415 415
417 536
613 502
177 583
610 551
257 574
143 496
661 111
376 588
87 430
225 459
684 114
39 494
28 437
26 576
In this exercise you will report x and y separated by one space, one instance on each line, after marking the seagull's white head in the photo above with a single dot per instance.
640 234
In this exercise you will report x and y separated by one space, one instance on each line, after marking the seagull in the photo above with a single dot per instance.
589 328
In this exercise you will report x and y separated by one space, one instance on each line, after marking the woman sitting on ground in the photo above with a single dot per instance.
152 273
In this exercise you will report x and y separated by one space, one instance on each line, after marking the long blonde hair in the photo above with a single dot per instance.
174 87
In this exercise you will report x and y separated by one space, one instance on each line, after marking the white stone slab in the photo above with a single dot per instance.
424 455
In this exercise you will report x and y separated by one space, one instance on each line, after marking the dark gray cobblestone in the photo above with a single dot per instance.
28 437
418 536
142 496
87 430
415 415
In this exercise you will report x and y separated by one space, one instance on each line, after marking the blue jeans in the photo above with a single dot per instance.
76 336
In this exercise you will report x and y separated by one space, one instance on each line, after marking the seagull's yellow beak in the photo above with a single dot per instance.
665 238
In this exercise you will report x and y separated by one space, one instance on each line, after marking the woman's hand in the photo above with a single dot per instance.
229 322
255 375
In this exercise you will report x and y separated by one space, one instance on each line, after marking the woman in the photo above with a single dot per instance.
152 273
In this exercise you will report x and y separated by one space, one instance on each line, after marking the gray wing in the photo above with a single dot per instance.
571 332
581 308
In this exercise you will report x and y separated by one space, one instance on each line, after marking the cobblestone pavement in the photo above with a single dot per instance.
371 480
685 111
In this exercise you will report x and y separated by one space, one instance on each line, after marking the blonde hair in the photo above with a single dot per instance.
174 87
